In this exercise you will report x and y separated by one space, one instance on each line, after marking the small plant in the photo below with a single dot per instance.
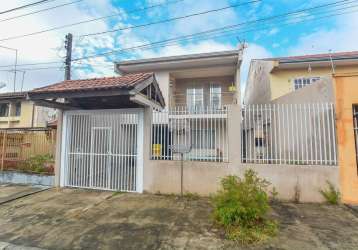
191 196
38 164
274 194
331 194
241 208
297 194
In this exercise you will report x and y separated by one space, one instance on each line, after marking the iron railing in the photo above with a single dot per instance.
297 134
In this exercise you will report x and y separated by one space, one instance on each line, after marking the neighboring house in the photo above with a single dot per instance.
18 112
269 79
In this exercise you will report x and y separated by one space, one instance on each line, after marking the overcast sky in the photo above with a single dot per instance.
315 31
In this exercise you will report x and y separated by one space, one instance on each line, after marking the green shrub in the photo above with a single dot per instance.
241 207
38 164
331 194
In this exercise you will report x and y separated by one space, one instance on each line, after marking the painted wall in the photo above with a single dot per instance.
264 85
346 90
181 85
30 116
282 80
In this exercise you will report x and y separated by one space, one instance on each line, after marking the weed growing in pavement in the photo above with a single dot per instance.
331 194
241 207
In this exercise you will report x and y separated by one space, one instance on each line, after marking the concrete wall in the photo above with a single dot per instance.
163 82
321 91
346 90
258 89
204 178
265 84
282 80
23 178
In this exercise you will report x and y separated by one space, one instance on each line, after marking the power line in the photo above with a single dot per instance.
26 6
213 30
89 20
38 11
207 33
171 19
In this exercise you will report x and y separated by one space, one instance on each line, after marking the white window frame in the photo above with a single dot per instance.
212 94
192 98
305 81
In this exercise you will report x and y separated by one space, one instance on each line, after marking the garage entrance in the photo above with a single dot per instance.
102 149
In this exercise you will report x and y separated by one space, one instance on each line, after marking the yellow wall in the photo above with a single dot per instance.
24 120
346 90
282 80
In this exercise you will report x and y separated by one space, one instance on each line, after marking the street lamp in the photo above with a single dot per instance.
15 63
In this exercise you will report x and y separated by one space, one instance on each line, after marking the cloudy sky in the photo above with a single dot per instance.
311 27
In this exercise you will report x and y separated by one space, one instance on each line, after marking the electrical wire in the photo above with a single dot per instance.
233 28
171 19
88 21
39 11
26 6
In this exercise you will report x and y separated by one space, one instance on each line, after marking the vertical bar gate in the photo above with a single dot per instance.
101 150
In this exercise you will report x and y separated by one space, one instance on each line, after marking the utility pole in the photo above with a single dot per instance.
68 47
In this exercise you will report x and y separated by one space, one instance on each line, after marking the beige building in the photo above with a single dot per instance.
18 112
273 78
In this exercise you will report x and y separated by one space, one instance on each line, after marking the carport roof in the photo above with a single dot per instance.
121 82
139 89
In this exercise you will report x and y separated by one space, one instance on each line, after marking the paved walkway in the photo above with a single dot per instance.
10 192
78 219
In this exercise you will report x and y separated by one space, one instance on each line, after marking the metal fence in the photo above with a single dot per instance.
300 134
20 144
202 129
101 149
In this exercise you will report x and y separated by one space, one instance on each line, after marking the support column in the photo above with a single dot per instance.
147 125
58 147
234 135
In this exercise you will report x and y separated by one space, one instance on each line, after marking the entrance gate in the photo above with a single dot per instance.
103 149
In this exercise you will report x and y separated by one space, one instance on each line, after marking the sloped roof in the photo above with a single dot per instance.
128 82
316 57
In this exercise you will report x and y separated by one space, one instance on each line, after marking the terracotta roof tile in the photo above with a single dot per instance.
349 54
126 82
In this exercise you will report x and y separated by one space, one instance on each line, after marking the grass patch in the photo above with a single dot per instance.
331 194
241 208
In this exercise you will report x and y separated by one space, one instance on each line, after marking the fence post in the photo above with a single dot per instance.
3 150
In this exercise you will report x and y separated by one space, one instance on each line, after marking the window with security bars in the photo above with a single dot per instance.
195 98
301 82
355 128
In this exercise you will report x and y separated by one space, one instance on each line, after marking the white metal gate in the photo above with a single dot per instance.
103 149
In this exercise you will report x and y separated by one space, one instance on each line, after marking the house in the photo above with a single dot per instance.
172 125
298 94
18 112
274 78
195 85
108 135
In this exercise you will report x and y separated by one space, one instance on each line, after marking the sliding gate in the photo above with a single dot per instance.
103 149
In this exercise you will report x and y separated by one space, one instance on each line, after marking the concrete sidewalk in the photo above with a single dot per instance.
83 219
10 192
